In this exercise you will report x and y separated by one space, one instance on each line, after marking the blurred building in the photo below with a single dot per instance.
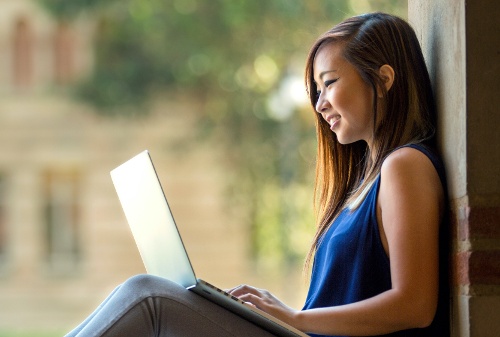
64 242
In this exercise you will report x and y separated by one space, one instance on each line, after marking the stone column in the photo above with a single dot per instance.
461 43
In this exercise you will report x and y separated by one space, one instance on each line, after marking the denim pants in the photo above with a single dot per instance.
147 305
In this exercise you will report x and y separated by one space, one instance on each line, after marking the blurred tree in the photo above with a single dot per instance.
216 47
240 59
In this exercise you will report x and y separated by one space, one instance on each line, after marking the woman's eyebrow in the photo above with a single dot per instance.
323 73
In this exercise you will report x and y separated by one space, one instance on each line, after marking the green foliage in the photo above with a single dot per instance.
148 45
68 9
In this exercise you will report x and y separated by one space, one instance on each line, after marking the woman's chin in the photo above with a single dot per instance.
345 140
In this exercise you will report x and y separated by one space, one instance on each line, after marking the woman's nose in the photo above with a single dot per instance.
321 104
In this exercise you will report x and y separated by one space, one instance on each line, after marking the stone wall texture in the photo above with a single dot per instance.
461 43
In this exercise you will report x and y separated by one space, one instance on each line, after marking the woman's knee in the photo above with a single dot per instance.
139 283
145 285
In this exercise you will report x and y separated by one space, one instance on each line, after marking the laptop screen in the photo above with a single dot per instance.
151 221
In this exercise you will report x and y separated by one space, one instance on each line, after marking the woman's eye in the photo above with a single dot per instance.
329 82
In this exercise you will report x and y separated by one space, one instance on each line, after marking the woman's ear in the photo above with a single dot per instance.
387 74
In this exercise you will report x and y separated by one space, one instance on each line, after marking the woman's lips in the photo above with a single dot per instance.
333 121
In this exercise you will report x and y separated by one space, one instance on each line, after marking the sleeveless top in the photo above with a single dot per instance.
351 265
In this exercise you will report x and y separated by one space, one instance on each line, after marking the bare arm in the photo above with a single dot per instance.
409 211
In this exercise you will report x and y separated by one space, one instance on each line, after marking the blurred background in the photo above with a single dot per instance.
212 88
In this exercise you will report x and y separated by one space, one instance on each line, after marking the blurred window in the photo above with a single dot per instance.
62 220
64 54
22 59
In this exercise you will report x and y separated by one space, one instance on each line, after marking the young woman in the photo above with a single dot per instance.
379 254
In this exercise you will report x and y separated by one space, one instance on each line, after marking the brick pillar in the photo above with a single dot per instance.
460 40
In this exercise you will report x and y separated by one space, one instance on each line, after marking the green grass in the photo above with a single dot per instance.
5 333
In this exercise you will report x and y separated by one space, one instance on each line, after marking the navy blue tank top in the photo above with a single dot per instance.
351 265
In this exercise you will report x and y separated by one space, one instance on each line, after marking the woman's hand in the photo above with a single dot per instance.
265 301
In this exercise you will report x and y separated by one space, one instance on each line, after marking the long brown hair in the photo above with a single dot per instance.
345 172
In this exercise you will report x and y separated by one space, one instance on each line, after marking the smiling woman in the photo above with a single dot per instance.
376 174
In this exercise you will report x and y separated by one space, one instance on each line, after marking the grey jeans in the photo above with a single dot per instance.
147 305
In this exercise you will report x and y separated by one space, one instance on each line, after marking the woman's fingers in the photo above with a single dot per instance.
244 289
264 300
251 295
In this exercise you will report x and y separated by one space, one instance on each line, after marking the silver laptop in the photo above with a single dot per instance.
160 244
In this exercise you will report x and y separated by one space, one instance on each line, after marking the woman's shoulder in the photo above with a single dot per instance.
405 159
407 154
414 157
410 182
413 162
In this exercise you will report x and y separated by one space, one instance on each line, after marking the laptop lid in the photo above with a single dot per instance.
151 222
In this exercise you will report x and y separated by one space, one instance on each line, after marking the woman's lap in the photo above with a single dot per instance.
147 305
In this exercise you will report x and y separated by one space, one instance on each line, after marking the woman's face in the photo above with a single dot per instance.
345 101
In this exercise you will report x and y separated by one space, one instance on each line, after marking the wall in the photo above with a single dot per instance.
460 40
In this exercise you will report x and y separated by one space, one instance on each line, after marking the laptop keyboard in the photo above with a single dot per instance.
222 292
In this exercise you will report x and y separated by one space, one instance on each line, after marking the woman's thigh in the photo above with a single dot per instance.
147 305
